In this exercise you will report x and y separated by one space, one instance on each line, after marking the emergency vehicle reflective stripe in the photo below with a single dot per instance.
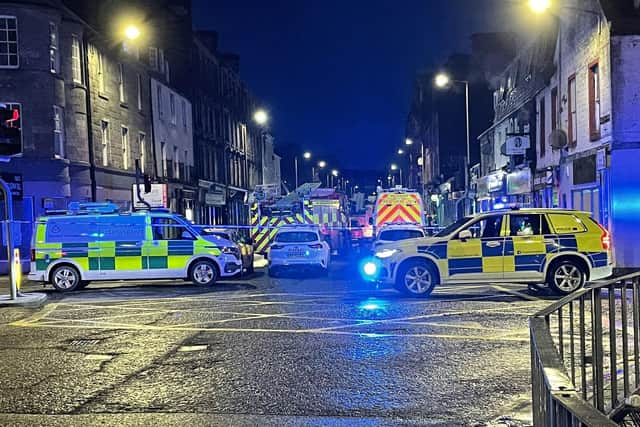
120 255
398 213
511 254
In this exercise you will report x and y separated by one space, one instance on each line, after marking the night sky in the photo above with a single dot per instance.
337 75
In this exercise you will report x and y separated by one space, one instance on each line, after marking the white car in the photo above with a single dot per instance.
396 232
298 247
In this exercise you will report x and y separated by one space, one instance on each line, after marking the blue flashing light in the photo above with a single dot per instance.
370 268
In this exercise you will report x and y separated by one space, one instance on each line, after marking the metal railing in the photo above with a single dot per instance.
585 357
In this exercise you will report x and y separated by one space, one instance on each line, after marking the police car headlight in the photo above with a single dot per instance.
386 253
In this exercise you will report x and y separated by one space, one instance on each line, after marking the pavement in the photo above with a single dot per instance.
297 350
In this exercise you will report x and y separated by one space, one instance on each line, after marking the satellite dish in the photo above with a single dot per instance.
558 139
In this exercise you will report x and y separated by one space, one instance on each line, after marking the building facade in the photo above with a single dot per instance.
173 147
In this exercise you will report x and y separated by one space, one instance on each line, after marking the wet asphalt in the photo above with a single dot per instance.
296 350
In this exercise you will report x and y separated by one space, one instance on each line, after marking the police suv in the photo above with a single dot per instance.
561 248
93 241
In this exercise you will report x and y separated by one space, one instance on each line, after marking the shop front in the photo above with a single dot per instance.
519 188
545 189
211 201
490 192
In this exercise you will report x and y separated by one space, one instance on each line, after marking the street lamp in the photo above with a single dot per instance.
131 32
306 155
261 117
395 167
408 141
539 6
443 81
400 151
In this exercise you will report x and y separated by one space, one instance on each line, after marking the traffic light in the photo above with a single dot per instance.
10 130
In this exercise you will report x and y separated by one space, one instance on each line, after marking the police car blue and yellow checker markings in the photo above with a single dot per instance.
134 256
511 253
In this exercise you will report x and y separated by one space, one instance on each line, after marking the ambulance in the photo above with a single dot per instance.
94 241
398 206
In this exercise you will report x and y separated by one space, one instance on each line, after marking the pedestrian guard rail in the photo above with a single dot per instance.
585 357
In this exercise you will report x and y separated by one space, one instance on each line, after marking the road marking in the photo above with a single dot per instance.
188 348
99 357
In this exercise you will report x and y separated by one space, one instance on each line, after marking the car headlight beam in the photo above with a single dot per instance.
386 253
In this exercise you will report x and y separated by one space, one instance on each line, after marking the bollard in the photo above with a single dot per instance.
16 276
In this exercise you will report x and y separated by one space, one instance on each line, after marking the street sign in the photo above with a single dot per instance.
517 145
157 198
15 183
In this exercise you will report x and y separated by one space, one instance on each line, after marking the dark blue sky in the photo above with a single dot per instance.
337 75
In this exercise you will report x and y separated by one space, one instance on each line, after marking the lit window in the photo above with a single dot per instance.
54 63
104 130
121 87
594 101
76 60
58 131
142 140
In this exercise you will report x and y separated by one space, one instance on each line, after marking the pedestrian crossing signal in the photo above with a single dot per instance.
10 130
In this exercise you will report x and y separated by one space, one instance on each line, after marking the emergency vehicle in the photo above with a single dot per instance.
398 205
298 247
330 212
94 241
561 248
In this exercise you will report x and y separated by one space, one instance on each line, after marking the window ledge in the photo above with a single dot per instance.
124 105
103 96
78 85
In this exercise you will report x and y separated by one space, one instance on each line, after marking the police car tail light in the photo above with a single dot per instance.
316 246
605 239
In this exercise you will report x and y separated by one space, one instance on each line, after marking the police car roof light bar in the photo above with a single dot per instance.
93 207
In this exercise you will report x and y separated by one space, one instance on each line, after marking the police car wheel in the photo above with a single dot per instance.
566 277
417 279
203 273
65 278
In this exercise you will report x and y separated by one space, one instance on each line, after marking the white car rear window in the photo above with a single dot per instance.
297 237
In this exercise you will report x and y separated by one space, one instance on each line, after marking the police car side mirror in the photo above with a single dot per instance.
464 235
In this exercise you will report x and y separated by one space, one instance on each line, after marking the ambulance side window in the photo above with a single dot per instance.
169 229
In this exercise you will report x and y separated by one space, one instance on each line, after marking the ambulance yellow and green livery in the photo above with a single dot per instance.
561 248
93 241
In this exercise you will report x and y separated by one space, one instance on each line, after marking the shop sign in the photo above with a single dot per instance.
543 178
519 182
216 196
490 184
517 145
14 180
157 197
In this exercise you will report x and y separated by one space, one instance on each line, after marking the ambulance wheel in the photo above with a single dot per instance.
416 278
565 277
203 273
65 278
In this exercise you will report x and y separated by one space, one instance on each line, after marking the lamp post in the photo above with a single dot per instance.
395 167
443 81
306 155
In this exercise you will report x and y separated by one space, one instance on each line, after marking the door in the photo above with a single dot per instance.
170 248
526 246
478 258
